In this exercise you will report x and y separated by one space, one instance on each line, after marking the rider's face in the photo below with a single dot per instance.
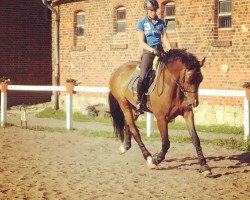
152 13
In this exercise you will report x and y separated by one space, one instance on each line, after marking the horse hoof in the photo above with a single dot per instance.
205 170
151 165
206 173
122 150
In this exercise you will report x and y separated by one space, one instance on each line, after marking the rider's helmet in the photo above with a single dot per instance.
151 5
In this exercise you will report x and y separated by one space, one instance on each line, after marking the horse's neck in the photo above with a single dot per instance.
175 66
173 71
172 76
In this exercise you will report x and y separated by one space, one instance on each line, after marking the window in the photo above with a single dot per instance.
225 15
80 20
169 16
121 19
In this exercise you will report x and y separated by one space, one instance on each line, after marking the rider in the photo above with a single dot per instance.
151 33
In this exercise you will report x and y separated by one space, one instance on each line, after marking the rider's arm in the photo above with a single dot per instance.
142 42
165 40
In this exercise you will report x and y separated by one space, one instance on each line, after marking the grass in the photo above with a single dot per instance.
202 128
77 116
231 143
48 129
51 113
228 143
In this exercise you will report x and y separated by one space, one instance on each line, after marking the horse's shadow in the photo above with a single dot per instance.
243 160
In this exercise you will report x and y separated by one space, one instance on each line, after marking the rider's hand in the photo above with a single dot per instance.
156 52
162 54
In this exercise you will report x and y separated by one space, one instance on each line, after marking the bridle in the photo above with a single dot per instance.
181 85
182 88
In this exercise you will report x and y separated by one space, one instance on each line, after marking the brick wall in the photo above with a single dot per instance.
25 41
93 57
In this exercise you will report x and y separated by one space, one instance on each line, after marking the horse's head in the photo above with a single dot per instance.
190 79
187 70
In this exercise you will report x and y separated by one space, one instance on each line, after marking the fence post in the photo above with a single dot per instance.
69 105
150 124
246 118
4 87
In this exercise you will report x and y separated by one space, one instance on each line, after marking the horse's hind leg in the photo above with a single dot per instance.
130 121
189 117
127 137
127 140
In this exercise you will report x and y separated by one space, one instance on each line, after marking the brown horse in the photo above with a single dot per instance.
176 93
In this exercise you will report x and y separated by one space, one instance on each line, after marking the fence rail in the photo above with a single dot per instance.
69 101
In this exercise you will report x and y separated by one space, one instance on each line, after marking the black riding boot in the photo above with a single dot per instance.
140 92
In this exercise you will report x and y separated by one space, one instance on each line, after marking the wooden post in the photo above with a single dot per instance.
150 124
4 87
69 105
246 118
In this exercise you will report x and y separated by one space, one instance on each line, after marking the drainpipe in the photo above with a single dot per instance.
56 70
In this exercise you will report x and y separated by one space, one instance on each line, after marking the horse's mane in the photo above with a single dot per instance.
190 61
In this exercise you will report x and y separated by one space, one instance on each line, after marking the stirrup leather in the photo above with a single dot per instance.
139 109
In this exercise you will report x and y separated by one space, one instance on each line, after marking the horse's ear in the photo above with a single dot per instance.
202 62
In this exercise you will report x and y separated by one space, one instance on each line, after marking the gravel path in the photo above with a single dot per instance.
43 165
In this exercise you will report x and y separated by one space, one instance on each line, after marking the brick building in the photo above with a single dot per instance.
97 36
25 41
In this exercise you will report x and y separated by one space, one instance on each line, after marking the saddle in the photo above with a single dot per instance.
148 84
150 80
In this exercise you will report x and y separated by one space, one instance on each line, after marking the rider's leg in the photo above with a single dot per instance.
146 64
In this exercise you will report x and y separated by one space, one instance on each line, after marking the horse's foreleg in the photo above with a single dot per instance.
127 140
163 128
189 117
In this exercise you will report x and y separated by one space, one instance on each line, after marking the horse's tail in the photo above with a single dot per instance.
117 115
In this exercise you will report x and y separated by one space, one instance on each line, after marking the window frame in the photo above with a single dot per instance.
121 8
169 17
80 25
224 14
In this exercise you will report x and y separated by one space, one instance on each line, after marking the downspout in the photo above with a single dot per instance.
56 70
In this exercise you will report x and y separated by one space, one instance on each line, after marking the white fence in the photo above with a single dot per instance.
69 104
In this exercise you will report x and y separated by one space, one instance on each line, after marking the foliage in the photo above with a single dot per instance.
92 111
72 80
4 79
246 85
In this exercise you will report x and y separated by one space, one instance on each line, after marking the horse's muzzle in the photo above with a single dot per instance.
192 102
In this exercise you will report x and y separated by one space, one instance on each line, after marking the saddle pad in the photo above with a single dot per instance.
134 81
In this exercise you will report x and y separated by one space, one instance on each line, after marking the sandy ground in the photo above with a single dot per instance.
42 165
